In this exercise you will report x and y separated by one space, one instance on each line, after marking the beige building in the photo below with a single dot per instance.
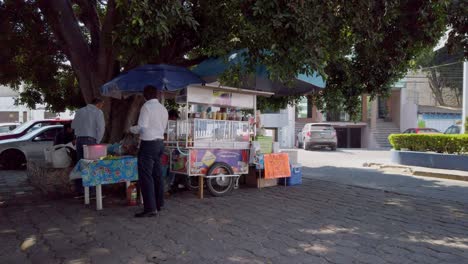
411 100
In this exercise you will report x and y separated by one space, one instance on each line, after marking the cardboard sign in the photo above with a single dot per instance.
276 165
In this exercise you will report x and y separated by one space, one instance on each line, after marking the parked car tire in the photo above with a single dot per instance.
299 144
333 147
305 146
13 159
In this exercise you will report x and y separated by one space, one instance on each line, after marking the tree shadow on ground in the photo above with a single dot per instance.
316 222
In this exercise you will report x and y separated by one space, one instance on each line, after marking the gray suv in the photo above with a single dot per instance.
317 135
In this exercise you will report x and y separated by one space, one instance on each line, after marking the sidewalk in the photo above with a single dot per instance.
421 171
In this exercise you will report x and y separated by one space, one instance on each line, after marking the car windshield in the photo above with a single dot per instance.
33 134
22 127
321 127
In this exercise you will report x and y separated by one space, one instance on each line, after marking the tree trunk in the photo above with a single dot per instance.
93 60
120 115
436 84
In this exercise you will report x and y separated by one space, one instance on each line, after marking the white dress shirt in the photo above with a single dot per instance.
152 121
89 122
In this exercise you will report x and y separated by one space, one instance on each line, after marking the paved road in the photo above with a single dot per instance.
329 219
317 222
345 167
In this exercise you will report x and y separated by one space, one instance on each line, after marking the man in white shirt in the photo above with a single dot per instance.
152 124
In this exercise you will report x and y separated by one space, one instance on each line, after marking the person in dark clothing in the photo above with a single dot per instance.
65 136
152 124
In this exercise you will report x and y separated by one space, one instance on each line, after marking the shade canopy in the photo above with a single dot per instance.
210 69
162 76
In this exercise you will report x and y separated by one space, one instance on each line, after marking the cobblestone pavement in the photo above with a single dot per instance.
14 185
317 222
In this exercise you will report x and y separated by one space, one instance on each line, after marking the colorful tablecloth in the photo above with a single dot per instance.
98 172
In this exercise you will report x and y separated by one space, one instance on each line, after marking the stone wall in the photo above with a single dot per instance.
50 181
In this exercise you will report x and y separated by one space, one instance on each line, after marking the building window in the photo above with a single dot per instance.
301 108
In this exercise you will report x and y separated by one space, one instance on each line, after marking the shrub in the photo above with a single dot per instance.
466 125
451 144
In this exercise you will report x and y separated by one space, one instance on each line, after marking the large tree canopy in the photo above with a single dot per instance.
64 50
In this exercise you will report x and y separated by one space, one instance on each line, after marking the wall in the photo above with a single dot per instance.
9 112
284 122
409 110
418 90
395 102
440 121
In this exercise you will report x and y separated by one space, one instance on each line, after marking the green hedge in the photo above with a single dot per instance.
466 125
452 144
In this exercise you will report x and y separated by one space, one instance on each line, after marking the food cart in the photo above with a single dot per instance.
210 143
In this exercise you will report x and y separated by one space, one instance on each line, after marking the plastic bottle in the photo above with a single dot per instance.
132 195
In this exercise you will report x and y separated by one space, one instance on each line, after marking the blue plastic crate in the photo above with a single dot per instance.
296 176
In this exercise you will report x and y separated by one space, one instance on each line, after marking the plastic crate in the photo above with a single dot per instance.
296 176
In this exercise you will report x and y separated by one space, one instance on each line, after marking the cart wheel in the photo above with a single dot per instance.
191 183
220 186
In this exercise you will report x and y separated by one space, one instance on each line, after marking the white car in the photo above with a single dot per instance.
317 135
15 152
7 127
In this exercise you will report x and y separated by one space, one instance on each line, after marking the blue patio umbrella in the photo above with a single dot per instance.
211 68
162 76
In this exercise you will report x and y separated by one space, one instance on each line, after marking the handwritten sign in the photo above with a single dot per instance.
276 165
266 144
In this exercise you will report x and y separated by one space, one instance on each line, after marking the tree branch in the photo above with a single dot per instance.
59 15
90 18
106 55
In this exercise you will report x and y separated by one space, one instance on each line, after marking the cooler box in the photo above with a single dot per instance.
94 152
296 176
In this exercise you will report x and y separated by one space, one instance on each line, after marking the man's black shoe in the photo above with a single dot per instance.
145 214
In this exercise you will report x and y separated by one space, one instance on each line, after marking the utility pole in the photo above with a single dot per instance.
465 96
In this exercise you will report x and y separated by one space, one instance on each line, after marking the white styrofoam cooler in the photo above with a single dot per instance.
293 155
94 152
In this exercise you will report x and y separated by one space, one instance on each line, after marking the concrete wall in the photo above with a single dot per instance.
395 102
418 90
441 124
409 110
284 122
430 160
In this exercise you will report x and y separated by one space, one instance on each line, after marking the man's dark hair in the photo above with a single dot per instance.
97 100
150 92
